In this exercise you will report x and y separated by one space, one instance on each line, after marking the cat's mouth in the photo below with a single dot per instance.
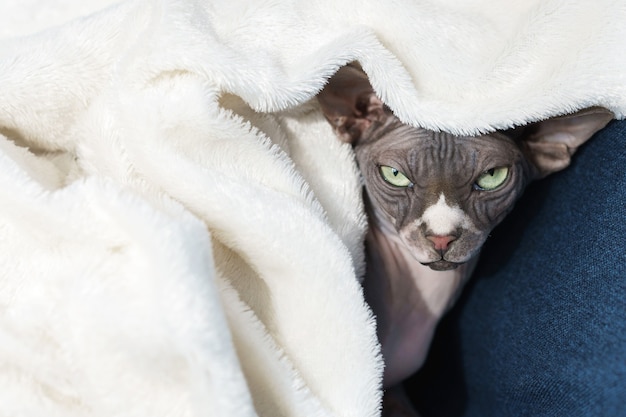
441 265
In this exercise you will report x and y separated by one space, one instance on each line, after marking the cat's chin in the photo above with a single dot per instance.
442 265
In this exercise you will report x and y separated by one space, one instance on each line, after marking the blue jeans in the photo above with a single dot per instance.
541 328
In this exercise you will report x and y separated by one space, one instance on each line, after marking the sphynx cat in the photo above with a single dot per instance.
432 199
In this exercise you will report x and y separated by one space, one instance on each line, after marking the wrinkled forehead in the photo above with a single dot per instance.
403 141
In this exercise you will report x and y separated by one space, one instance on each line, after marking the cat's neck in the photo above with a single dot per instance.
407 297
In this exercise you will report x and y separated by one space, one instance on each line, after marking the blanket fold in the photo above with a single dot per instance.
182 234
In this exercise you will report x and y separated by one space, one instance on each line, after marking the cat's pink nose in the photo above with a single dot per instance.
441 242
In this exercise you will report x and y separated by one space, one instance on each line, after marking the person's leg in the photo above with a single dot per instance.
541 328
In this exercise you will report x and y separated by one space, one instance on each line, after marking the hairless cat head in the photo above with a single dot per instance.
440 194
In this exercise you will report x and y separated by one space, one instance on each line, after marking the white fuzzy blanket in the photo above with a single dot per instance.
180 232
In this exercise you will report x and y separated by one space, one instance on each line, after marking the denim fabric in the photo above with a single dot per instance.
541 328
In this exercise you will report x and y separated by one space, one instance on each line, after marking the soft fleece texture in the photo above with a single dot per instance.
180 232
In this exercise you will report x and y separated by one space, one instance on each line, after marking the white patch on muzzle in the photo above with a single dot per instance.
443 220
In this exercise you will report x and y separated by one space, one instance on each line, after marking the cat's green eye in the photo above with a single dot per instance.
394 177
492 178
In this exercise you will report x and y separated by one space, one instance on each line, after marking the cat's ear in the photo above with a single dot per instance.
349 103
551 143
